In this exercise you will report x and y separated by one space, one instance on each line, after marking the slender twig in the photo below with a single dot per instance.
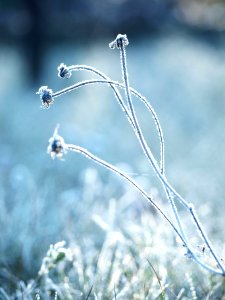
147 151
112 168
154 115
125 176
149 154
158 127
47 96
140 136
114 290
89 293
119 99
204 236
158 279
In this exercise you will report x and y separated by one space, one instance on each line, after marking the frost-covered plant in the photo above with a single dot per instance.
120 265
55 254
58 147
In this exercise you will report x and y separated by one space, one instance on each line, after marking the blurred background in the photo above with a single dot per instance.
176 58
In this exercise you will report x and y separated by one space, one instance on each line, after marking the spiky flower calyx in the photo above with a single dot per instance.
64 71
45 96
57 146
121 40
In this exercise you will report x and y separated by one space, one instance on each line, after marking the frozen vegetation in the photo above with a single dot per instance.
116 246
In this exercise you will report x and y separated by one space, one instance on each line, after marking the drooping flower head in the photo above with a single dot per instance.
57 146
45 96
64 71
121 40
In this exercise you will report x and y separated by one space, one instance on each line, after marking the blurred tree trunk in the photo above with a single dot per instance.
35 38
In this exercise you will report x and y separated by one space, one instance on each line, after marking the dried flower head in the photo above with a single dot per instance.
64 71
56 147
121 40
46 96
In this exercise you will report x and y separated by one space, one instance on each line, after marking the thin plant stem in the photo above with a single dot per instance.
110 167
89 293
158 279
102 75
158 127
119 98
203 234
47 98
147 152
140 135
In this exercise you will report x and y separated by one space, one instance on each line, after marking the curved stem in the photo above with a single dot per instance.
141 139
119 99
146 150
203 234
117 93
158 127
125 176
177 217
110 167
149 154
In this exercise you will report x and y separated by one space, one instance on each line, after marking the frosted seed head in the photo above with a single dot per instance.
45 96
121 40
64 71
57 146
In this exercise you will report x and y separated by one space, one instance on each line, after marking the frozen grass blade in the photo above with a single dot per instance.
158 279
3 294
89 293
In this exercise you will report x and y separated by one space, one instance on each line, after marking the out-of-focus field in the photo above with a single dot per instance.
44 201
